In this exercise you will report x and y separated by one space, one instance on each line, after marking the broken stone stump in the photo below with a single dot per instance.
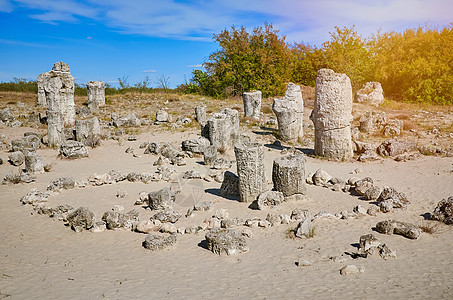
55 128
288 174
250 167
161 199
88 131
210 155
222 129
332 115
371 121
96 95
230 185
155 242
252 104
371 93
34 163
289 111
227 241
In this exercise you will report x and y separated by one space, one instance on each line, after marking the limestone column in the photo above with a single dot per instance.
250 169
288 174
200 115
332 115
252 104
96 95
222 129
290 111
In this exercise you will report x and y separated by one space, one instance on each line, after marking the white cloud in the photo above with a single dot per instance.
300 20
149 71
6 6
194 66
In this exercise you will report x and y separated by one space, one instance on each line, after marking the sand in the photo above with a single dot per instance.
41 258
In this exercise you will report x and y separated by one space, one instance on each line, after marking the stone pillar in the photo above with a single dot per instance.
96 95
210 155
252 104
41 80
288 174
250 167
222 129
200 115
290 112
34 163
87 129
332 115
59 92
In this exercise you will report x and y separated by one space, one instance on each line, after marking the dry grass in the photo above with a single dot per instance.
430 227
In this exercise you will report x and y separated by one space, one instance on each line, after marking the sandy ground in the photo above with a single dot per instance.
40 258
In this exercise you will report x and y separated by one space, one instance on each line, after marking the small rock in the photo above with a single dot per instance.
157 242
349 269
121 193
221 214
228 241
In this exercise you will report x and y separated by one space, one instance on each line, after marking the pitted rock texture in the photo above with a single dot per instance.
289 111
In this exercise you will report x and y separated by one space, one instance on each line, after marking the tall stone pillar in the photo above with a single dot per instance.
332 115
252 104
96 95
290 112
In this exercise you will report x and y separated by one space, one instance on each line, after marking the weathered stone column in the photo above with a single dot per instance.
96 95
290 111
252 104
59 92
288 174
200 115
250 167
210 155
222 129
41 80
332 115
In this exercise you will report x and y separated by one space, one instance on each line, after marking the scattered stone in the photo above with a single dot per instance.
368 244
252 104
167 216
73 150
117 208
372 211
371 93
168 228
304 263
98 227
222 164
362 185
299 214
34 163
228 241
228 223
212 223
273 219
386 253
34 197
81 219
200 115
121 193
289 111
196 145
88 132
393 127
6 115
304 229
203 206
332 115
61 183
288 174
161 116
390 199
16 158
221 214
360 210
148 226
192 174
157 242
444 211
210 155
284 219
117 220
349 269
371 121
269 198
395 227
129 120
19 178
395 147
373 193
321 177
161 199
250 166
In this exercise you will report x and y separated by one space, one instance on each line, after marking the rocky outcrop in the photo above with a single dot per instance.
227 241
252 104
289 111
332 115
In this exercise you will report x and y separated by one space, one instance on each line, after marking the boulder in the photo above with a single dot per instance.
73 150
395 147
304 229
269 198
161 116
444 211
6 115
393 127
371 93
116 220
196 145
158 242
34 196
167 216
34 163
16 158
88 131
129 120
161 199
349 269
81 219
227 241
61 183
389 198
321 177
230 185
395 227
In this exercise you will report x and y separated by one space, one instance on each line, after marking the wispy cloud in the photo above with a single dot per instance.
21 43
149 71
6 6
194 66
197 20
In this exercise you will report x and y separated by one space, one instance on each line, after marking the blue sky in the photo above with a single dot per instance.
108 39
